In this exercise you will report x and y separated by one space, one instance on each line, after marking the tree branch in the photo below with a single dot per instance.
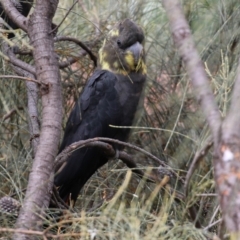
21 68
15 61
93 142
110 152
23 78
15 15
55 29
184 42
226 135
197 158
9 114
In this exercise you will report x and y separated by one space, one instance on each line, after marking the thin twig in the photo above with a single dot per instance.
8 115
207 195
80 44
43 234
184 42
69 10
213 224
128 160
214 214
28 232
23 78
198 157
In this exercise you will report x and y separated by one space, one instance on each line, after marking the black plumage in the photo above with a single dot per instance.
110 97
23 6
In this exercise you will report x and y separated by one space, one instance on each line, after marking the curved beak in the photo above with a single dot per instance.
137 50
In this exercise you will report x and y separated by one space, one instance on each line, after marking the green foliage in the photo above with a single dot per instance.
114 205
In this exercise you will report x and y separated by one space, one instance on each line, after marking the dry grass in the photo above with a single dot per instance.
116 204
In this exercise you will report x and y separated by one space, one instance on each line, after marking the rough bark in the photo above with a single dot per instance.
32 95
14 14
226 134
227 164
33 119
47 71
15 62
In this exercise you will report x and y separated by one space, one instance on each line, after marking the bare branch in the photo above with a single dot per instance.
15 15
32 91
184 42
23 78
62 157
109 150
69 10
128 160
226 136
17 62
198 157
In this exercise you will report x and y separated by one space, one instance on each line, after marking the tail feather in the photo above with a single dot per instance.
72 177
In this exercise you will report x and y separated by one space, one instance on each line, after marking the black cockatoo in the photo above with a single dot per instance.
110 97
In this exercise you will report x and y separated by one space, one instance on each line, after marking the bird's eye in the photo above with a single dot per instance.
118 42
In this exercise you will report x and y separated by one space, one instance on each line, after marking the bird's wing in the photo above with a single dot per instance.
110 97
82 104
97 107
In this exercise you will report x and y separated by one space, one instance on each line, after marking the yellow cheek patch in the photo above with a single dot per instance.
102 56
103 59
101 49
130 60
125 66
144 68
114 33
105 65
115 65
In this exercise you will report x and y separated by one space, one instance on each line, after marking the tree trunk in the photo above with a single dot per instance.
47 71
